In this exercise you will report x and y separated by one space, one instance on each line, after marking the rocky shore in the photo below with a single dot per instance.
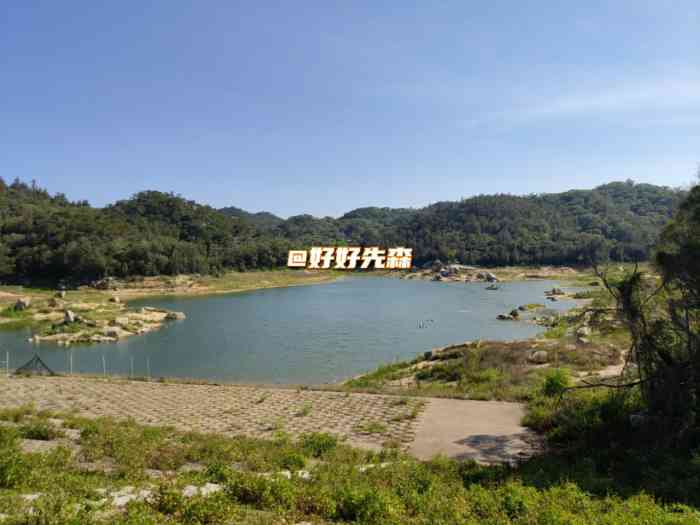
64 321
439 271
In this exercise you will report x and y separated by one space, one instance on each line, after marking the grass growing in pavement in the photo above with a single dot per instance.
337 490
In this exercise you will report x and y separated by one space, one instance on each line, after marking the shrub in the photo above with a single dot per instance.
212 510
555 382
318 444
13 467
40 430
292 460
369 505
261 492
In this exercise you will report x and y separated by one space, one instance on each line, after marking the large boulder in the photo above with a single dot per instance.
61 294
115 299
112 332
22 304
69 317
583 331
175 316
539 357
108 283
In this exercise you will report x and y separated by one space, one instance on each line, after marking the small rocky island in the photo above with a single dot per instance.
65 322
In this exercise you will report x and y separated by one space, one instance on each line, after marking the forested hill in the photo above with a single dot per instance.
48 237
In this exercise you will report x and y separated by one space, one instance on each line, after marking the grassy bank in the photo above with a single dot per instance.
98 471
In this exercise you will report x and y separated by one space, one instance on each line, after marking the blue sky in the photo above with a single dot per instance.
322 107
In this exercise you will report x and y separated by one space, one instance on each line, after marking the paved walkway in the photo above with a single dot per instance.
486 431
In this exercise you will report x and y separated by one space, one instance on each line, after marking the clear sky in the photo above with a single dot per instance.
322 107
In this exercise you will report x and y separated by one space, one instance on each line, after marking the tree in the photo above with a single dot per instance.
663 319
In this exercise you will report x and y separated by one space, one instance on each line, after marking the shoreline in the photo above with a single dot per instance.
101 313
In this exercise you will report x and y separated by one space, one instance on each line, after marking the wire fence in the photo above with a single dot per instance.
71 363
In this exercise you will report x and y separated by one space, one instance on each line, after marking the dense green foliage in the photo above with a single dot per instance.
49 237
343 485
621 220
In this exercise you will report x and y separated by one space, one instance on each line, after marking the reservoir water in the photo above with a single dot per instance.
300 335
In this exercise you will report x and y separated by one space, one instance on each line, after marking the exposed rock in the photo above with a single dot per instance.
112 332
22 304
208 488
61 294
192 467
504 317
539 357
127 494
554 291
69 317
583 331
108 283
514 313
114 299
552 298
190 491
175 316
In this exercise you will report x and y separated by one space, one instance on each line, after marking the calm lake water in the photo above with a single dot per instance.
301 335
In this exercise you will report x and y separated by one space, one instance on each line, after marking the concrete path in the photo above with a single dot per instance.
486 431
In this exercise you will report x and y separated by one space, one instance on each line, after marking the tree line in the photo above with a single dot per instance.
49 237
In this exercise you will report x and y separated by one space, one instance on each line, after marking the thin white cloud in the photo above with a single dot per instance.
649 97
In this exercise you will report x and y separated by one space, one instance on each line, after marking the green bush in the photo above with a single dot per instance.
292 460
211 510
261 492
555 382
447 372
39 429
318 444
369 505
13 467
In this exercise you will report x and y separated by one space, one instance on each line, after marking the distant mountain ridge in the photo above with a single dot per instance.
50 237
621 219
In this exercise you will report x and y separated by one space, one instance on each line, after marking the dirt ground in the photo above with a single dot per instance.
486 431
